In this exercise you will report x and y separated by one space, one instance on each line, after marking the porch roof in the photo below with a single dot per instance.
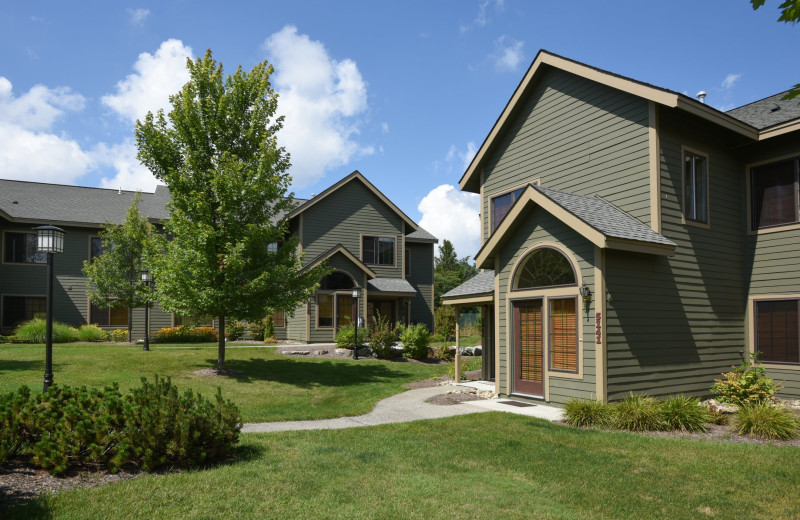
594 218
391 287
339 248
478 289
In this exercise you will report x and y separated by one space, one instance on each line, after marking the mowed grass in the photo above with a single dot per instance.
271 387
466 341
489 465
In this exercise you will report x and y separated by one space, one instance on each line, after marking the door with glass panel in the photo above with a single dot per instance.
528 348
344 309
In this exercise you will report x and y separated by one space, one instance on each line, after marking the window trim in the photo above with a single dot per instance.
684 218
3 246
752 327
373 235
15 295
490 199
749 196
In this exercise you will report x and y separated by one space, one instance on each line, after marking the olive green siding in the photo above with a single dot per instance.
536 227
577 136
295 325
420 277
159 319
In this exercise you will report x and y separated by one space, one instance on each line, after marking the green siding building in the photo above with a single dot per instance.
635 239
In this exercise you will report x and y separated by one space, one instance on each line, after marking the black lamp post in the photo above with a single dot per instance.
147 279
356 294
49 240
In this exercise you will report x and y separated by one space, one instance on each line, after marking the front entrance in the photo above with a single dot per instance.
384 308
344 309
528 348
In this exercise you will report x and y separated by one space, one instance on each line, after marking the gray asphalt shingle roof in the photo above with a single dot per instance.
767 112
421 235
393 285
480 284
604 217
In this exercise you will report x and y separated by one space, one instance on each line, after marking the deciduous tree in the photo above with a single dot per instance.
449 272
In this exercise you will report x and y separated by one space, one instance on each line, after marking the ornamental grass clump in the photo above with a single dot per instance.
638 413
588 412
35 331
684 413
90 332
766 421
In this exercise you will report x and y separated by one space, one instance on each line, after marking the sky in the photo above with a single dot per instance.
405 92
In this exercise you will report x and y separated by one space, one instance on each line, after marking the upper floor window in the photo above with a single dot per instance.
695 187
96 248
501 204
20 248
378 250
774 194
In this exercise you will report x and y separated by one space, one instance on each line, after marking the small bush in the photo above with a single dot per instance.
685 414
234 330
415 339
766 421
256 330
346 335
587 412
184 334
12 427
35 331
747 384
269 327
381 337
716 415
90 332
445 352
638 413
444 321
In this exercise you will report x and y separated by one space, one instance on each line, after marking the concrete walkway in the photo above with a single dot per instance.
411 406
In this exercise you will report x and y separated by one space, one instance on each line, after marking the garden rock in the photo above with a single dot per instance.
297 352
471 351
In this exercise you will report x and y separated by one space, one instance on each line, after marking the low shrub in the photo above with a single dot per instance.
346 335
90 332
35 331
381 337
256 330
118 335
150 427
638 413
684 413
269 327
445 352
444 321
184 334
415 339
234 330
747 384
766 421
588 412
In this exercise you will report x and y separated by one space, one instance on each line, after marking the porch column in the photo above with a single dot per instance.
458 344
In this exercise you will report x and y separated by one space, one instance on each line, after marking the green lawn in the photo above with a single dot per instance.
489 465
466 341
272 387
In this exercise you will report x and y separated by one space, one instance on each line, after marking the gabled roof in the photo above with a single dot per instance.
355 176
421 235
597 220
480 286
470 182
339 248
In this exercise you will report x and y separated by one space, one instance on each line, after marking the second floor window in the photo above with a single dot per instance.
695 188
502 204
20 248
774 194
378 250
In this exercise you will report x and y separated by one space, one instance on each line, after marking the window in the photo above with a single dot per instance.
115 316
279 318
324 310
96 248
273 247
695 187
502 204
774 194
20 248
563 334
777 330
544 267
408 262
336 281
18 309
378 250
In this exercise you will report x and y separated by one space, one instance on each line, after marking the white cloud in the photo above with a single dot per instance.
385 128
730 80
483 16
137 16
455 159
38 108
453 215
508 55
131 175
156 78
321 99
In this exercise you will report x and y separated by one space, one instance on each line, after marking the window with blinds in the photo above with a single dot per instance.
778 330
563 333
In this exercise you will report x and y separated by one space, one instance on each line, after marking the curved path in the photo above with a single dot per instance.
405 407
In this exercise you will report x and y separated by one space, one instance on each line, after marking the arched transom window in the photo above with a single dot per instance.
335 281
544 267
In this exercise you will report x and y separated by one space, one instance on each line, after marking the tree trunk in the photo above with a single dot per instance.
221 350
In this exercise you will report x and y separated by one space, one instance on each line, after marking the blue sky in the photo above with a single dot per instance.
404 92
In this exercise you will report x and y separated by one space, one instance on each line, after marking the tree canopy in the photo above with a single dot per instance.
449 272
228 181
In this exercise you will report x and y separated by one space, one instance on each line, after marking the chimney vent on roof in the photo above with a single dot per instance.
313 195
775 108
119 191
701 96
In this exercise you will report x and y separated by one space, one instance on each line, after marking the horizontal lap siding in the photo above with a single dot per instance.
675 323
295 325
577 136
421 278
534 227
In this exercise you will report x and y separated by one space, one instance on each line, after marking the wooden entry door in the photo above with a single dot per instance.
528 348
344 309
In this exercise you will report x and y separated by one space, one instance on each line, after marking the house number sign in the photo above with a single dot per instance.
598 328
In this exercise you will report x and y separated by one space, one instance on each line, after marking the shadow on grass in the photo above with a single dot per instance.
12 365
308 375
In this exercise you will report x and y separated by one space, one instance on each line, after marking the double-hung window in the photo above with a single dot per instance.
777 330
378 250
20 248
774 199
695 187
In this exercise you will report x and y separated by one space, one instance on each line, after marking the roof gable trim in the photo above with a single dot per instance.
339 248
